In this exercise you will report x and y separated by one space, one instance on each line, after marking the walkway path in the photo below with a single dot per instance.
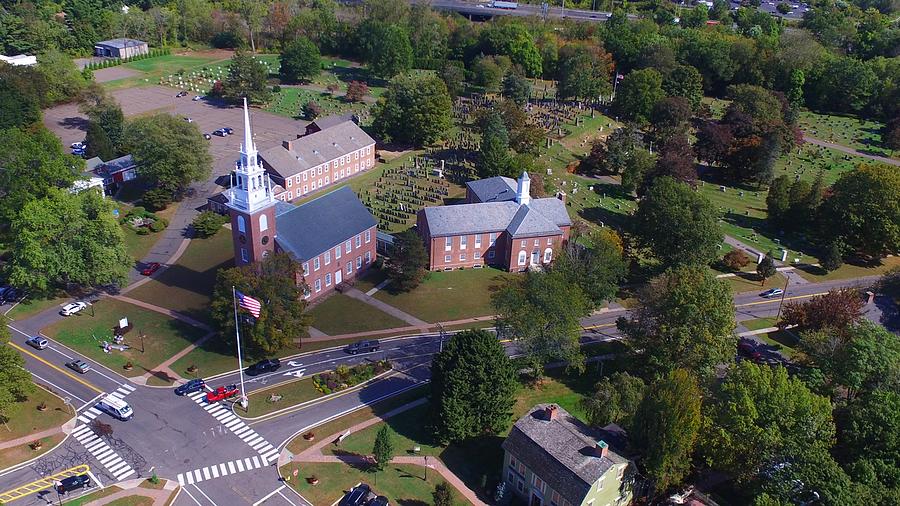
165 311
132 488
30 438
851 151
387 308
165 368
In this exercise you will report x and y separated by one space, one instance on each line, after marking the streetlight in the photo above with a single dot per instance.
787 280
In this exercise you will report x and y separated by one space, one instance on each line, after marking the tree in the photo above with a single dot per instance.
614 155
453 74
300 61
488 72
766 268
208 223
677 224
98 143
63 79
384 447
273 282
890 134
584 72
494 156
524 135
356 91
778 201
684 81
171 152
676 159
713 142
640 165
838 309
408 261
596 267
311 110
615 400
442 495
638 93
15 380
392 52
33 164
870 428
736 260
473 386
542 310
670 117
516 88
247 78
252 13
104 112
514 41
19 107
685 319
863 211
665 427
66 239
414 109
760 417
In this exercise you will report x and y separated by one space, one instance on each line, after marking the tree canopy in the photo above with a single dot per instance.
637 94
415 109
300 61
247 78
15 380
171 152
408 261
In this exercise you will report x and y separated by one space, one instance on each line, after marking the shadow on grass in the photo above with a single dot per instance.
477 463
355 460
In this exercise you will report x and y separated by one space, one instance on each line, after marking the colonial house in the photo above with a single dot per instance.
501 225
332 236
114 172
551 458
332 150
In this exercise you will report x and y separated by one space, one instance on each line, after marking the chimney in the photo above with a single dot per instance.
601 449
288 145
561 195
551 412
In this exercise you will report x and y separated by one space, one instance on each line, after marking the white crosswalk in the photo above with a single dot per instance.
220 470
237 426
108 458
119 393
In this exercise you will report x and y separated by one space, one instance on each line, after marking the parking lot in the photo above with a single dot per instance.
268 129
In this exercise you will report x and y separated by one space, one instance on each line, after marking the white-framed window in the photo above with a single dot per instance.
306 268
305 188
368 257
358 262
318 285
264 220
342 172
326 180
511 477
512 462
312 185
289 182
356 155
335 164
290 195
492 239
242 225
549 241
368 236
522 257
548 255
462 257
244 256
342 161
491 255
447 259
537 242
477 241
476 255
337 252
316 264
304 176
538 483
368 149
347 246
320 170
357 241
298 179
327 257
463 241
521 486
328 279
349 267
523 244
448 244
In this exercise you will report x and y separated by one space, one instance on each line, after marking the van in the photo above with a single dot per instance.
115 407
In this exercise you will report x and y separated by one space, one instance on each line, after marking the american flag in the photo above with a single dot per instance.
619 77
249 303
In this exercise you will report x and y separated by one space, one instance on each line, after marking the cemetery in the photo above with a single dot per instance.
850 131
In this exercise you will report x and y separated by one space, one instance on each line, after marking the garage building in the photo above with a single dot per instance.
121 48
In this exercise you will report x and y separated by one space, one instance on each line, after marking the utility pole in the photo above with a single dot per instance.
787 281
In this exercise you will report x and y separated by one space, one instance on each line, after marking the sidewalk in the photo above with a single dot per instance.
162 310
433 327
24 440
132 488
387 308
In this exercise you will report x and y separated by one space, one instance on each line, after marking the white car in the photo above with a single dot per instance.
197 98
72 308
774 292
78 145
189 120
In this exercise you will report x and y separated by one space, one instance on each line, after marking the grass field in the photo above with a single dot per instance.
783 341
152 69
292 393
340 314
857 133
138 246
187 286
163 336
25 418
16 455
30 307
446 296
758 323
749 282
846 271
290 100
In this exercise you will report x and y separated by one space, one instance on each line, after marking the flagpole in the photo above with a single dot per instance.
237 333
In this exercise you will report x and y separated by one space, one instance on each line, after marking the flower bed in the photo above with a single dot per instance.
143 222
344 377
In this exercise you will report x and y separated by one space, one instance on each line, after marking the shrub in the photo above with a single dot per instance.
276 89
159 225
736 260
207 223
143 231
157 198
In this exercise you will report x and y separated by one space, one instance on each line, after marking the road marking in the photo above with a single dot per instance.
188 492
270 494
61 389
206 474
204 495
42 484
102 453
600 326
778 300
39 359
240 465
215 471
231 467
285 498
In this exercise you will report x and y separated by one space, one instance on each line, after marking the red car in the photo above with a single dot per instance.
151 268
222 393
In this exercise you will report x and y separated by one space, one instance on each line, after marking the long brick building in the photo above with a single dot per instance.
500 225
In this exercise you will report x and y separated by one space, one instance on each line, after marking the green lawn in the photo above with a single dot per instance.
30 307
846 271
152 70
18 454
749 282
163 336
782 340
292 393
187 286
407 432
446 296
758 323
25 418
370 279
93 497
340 314
857 133
290 100
138 246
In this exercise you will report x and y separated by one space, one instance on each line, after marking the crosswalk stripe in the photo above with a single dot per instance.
240 465
248 464
83 419
128 387
84 436
215 471
95 445
223 416
102 454
240 425
117 395
126 475
80 429
254 440
232 423
256 463
94 410
223 470
118 467
190 478
258 446
242 430
231 467
180 479
197 475
206 473
113 459
210 407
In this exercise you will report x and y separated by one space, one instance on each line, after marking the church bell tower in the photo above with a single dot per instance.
251 204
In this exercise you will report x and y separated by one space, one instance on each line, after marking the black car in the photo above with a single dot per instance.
228 130
194 385
264 366
181 94
356 497
363 347
73 483
379 501
220 132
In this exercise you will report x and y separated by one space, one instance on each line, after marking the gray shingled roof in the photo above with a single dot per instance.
120 43
322 223
494 189
554 209
317 148
531 223
469 218
334 119
560 452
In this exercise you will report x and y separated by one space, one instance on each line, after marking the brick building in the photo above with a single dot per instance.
332 236
331 150
497 227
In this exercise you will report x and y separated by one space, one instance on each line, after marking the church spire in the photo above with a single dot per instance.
248 149
250 189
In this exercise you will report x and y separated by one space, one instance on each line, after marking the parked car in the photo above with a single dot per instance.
222 393
194 385
207 136
773 292
379 501
79 366
37 342
220 132
197 98
181 94
746 348
73 483
363 347
78 145
150 268
228 130
357 496
72 308
10 294
264 366
189 120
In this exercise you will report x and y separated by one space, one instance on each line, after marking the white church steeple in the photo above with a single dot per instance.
251 189
523 192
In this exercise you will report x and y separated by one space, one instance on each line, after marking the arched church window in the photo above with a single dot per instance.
263 223
242 227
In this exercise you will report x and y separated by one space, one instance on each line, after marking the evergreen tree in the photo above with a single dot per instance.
442 495
247 77
384 447
407 262
516 88
766 269
494 156
300 61
98 143
833 258
473 386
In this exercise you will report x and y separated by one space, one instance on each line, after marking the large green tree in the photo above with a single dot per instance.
383 450
596 266
19 107
685 319
407 262
615 400
760 417
391 53
415 109
584 72
678 224
473 386
15 380
64 81
273 282
104 112
171 152
637 94
247 78
300 61
66 239
665 427
513 40
494 158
